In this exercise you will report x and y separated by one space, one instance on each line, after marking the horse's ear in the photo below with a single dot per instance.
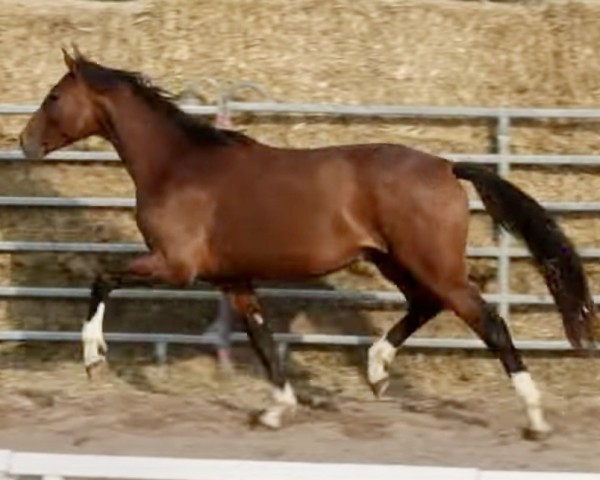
78 54
69 61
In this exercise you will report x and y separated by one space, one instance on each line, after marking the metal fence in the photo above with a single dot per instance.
503 252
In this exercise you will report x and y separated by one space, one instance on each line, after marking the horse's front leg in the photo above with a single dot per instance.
139 272
284 400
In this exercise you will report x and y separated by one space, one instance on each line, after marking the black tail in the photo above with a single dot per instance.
552 251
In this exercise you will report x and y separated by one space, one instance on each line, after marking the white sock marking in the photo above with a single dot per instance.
284 401
530 395
285 395
93 337
381 355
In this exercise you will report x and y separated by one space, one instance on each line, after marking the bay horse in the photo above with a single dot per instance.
218 206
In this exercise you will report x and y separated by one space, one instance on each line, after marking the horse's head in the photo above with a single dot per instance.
67 114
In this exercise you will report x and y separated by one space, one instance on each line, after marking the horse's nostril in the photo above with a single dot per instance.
29 150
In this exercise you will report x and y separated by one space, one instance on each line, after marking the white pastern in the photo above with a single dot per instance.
284 402
92 336
381 356
530 395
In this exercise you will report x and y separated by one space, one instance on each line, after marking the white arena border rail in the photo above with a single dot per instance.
63 466
503 252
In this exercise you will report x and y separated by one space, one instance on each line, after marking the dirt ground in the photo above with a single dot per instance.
363 432
186 409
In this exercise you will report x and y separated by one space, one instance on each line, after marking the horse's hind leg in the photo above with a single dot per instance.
422 307
491 328
383 351
284 401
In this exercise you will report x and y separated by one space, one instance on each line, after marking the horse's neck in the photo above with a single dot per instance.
147 145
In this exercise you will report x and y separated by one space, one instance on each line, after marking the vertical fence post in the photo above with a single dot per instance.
282 354
160 352
503 148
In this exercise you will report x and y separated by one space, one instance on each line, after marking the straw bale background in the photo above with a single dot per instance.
419 52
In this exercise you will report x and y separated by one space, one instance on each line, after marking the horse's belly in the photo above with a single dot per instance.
262 256
290 265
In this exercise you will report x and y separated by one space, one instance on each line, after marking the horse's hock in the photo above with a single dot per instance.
445 53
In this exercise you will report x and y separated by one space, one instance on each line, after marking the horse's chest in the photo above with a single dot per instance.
143 221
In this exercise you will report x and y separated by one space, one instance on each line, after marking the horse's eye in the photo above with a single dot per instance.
53 97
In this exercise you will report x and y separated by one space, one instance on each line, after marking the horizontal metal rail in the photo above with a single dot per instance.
373 298
539 160
309 339
75 247
109 156
67 202
123 202
271 108
99 247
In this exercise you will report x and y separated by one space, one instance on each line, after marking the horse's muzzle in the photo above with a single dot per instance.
31 149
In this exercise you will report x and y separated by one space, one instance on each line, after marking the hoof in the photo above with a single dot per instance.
380 387
381 354
274 417
537 435
283 407
94 366
271 420
266 419
318 402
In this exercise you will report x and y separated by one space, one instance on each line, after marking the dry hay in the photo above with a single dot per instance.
388 51
433 52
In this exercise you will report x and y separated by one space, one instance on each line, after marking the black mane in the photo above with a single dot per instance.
103 78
